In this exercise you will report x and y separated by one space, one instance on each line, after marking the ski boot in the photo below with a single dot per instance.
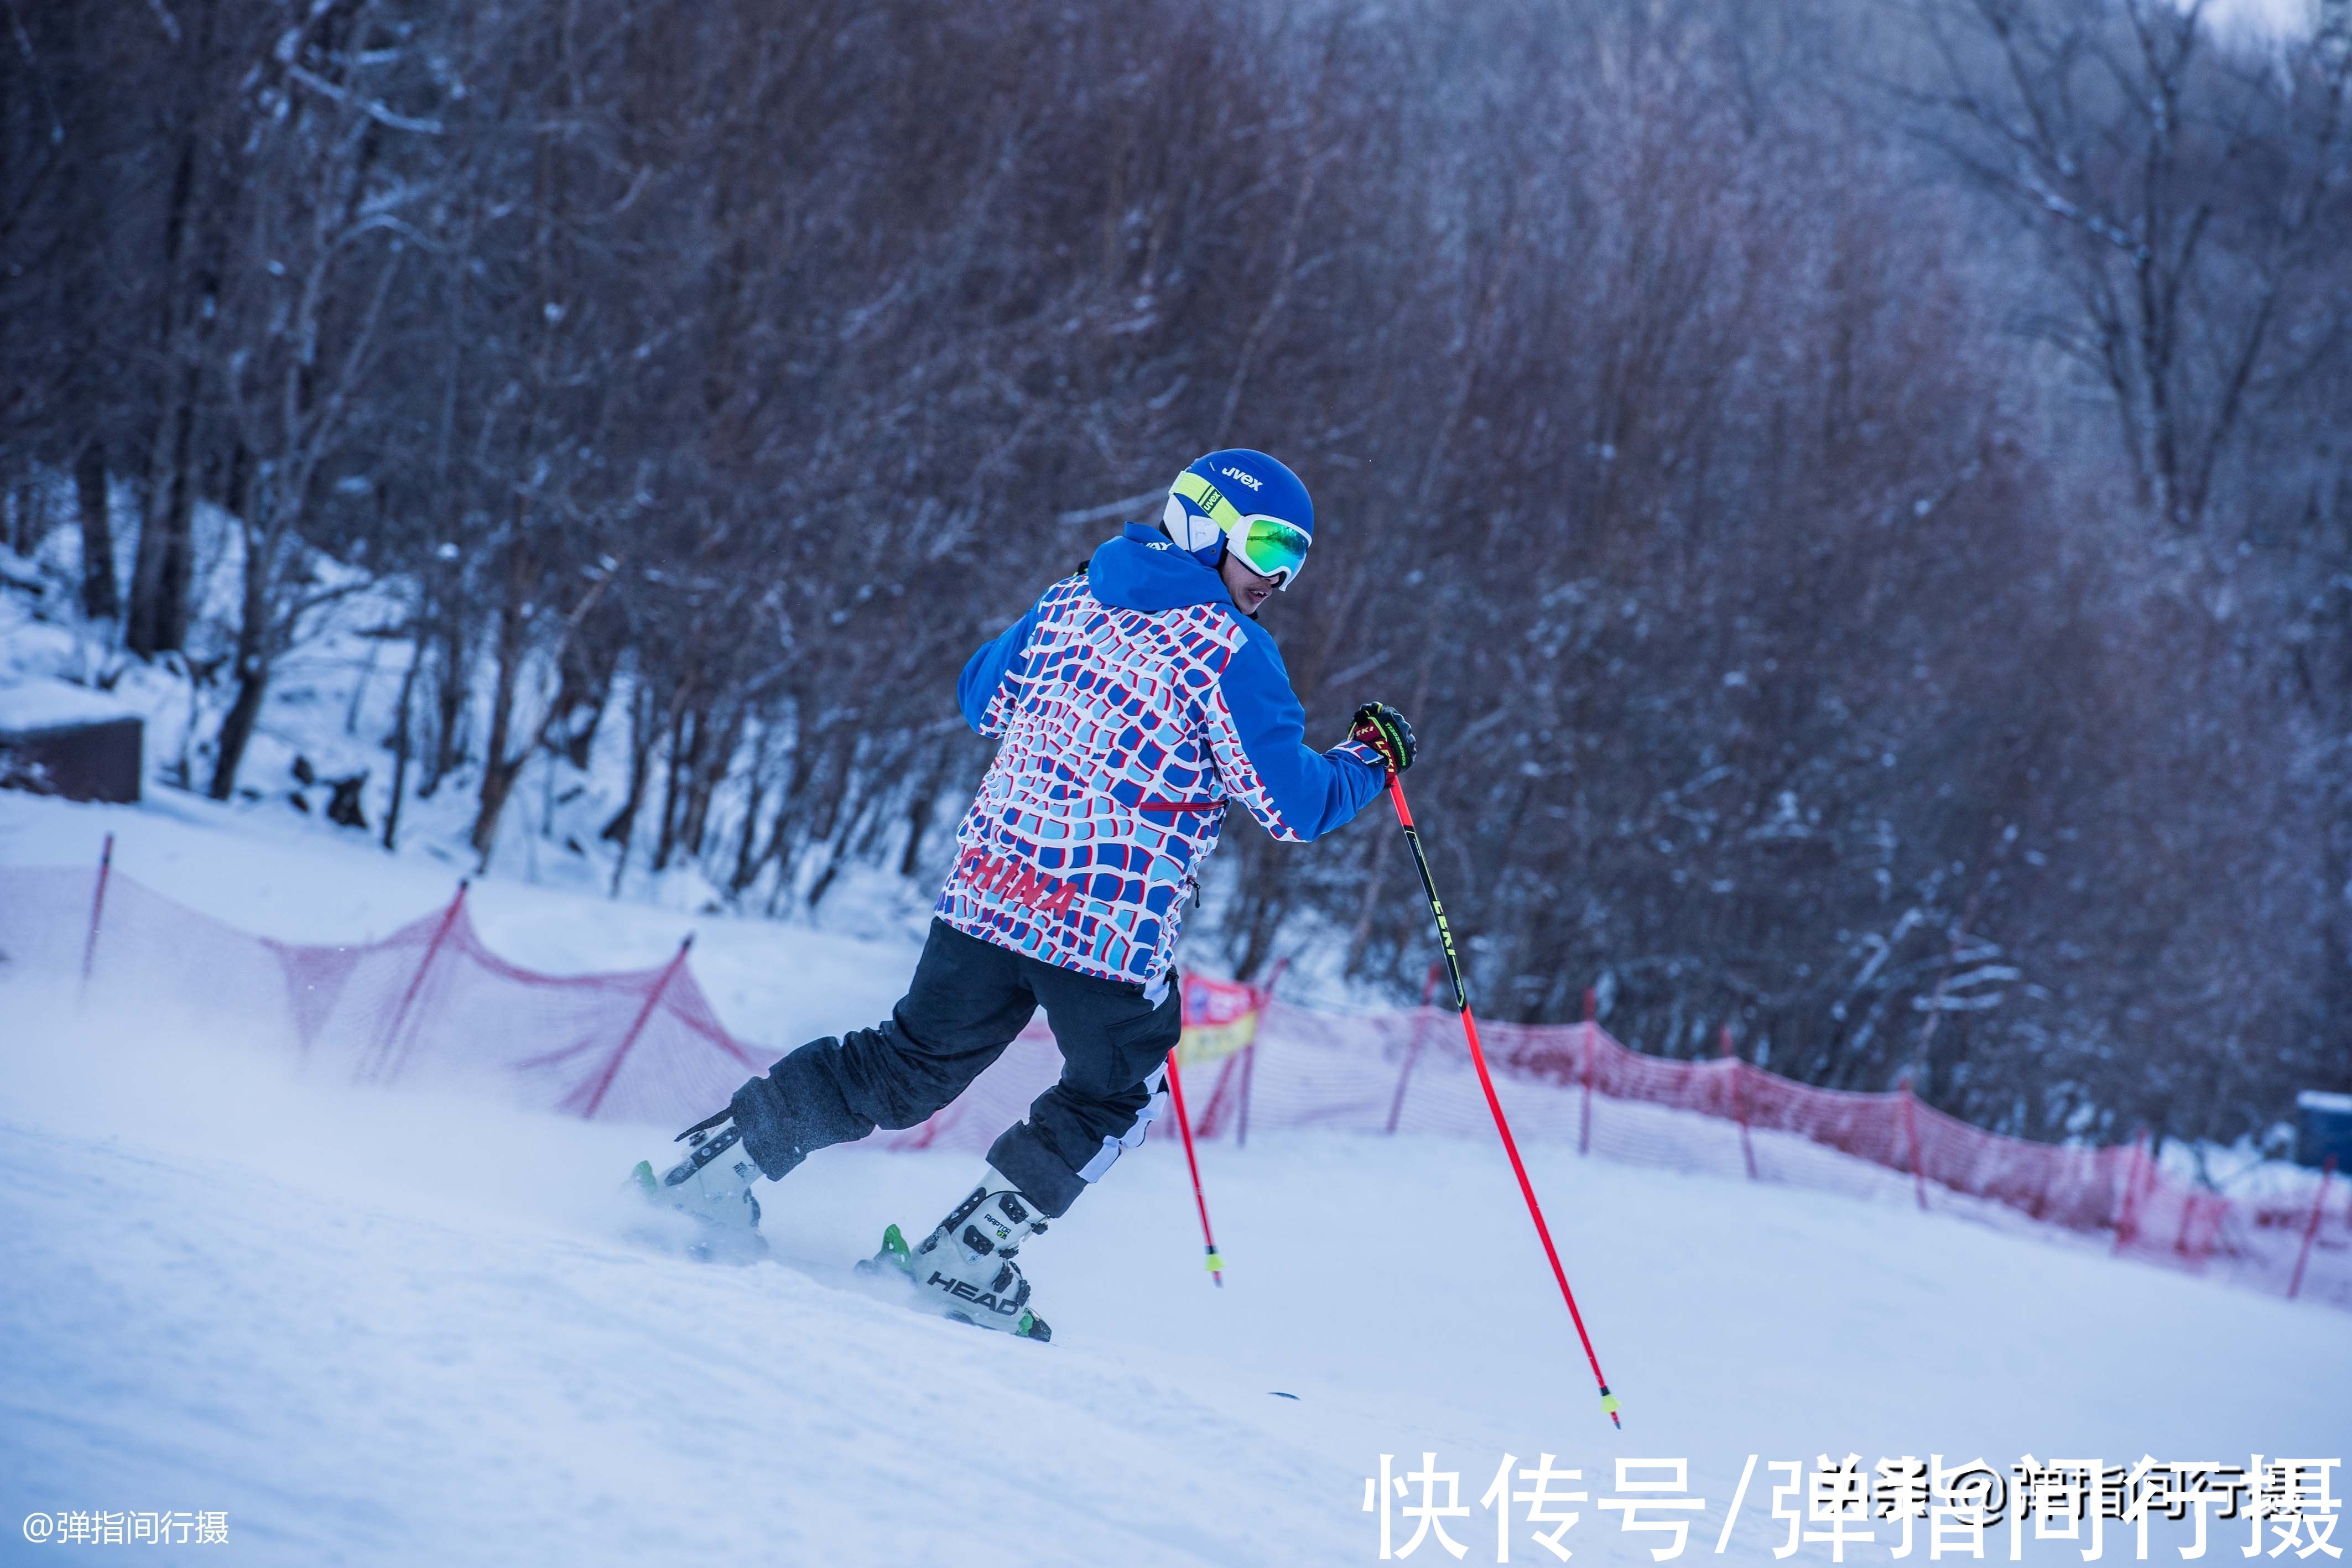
964 1269
712 1184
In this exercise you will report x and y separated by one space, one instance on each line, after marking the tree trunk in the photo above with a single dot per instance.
641 754
499 770
837 853
681 760
99 598
401 743
645 733
920 807
253 652
777 848
157 620
747 843
236 729
32 516
710 771
584 686
360 687
449 683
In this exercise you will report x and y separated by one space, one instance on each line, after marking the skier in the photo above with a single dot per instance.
1133 703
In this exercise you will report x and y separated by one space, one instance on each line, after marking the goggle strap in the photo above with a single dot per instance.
1220 508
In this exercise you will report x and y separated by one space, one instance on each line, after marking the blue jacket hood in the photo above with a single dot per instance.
1140 569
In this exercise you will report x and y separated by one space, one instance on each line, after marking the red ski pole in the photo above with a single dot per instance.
1184 1125
1479 1058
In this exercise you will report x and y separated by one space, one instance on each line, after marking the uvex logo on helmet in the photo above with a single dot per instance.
1268 527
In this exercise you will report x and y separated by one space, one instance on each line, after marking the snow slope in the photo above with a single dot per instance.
387 1327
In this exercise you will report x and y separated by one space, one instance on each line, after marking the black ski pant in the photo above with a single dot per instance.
967 1002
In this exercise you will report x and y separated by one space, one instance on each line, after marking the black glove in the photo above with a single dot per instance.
1383 729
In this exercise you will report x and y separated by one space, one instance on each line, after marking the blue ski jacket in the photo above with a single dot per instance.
1133 703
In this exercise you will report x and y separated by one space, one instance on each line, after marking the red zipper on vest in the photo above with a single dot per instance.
1179 805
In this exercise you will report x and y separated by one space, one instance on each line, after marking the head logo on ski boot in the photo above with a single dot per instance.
965 1268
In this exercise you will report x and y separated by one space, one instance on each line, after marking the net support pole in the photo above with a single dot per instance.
1911 1136
1732 1065
1412 1047
1249 1071
2126 1225
1584 1125
381 1057
637 1027
1212 1115
97 912
1249 1052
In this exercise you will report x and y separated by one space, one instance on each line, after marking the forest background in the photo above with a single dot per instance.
1857 497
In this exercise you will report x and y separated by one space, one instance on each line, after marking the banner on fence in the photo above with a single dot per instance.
1221 1016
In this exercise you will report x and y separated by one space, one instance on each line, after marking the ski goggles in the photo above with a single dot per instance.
1267 545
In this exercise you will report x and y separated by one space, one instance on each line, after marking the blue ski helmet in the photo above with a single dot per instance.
1244 501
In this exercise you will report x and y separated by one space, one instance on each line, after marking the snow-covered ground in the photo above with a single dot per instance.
395 1327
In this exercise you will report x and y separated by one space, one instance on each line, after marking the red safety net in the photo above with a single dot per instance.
431 1003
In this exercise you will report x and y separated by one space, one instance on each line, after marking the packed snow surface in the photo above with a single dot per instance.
34 706
389 1327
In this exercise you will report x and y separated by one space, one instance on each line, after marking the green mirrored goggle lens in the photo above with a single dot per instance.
1272 547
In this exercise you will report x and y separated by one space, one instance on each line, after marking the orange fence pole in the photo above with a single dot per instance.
1738 1101
1911 1132
2126 1227
645 1013
1584 1128
97 908
1249 1051
1412 1048
381 1056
